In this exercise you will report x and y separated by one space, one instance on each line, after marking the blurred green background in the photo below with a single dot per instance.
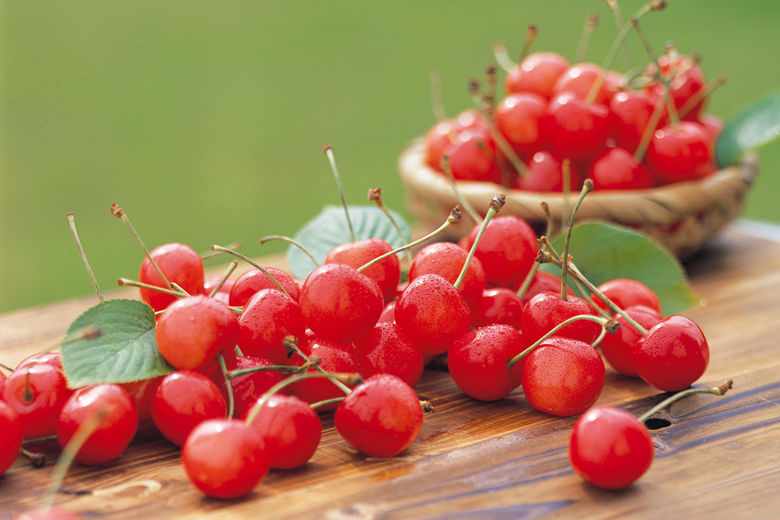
205 120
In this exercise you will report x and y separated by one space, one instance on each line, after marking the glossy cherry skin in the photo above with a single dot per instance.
473 156
575 129
334 357
630 112
269 316
10 436
254 280
433 313
180 263
446 259
37 392
579 79
616 169
183 400
542 282
713 125
681 154
673 354
563 376
386 273
142 393
248 388
610 448
518 118
688 81
116 427
47 358
545 173
618 348
436 140
340 303
223 294
625 293
193 330
546 310
290 430
381 417
499 305
224 458
388 313
477 362
507 249
2 384
387 349
537 74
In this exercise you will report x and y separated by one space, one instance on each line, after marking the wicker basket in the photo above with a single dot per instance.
680 216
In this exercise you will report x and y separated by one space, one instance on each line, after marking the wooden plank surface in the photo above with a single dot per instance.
719 458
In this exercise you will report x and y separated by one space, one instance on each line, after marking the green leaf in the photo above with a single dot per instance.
125 351
753 127
329 229
605 251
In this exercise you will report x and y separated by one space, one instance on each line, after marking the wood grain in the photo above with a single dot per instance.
719 457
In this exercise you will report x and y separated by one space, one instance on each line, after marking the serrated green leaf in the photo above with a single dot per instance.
605 251
755 126
329 229
125 351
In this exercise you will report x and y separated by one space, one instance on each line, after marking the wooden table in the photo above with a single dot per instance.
719 458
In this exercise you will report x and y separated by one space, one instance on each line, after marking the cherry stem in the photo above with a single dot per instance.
228 384
527 280
291 241
615 8
39 440
702 93
437 105
453 218
586 188
491 78
230 268
375 196
326 402
608 324
549 222
566 171
27 393
251 262
530 35
502 56
126 282
211 254
328 149
647 135
496 203
291 345
72 224
466 205
597 341
232 374
718 390
120 213
591 21
36 459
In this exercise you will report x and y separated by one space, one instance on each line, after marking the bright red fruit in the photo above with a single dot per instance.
142 392
473 156
574 129
386 273
269 316
630 113
436 140
10 436
251 282
518 118
334 357
681 153
224 458
507 249
542 282
625 293
610 448
579 79
537 73
193 330
248 388
381 417
618 348
546 310
499 305
47 358
386 349
446 259
616 169
37 392
545 173
688 81
181 265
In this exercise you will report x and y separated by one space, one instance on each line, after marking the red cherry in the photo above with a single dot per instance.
436 140
713 125
546 310
183 400
269 316
545 173
388 313
574 129
2 384
37 393
673 354
537 73
499 305
223 295
688 81
563 376
625 293
340 303
251 282
386 349
681 154
381 417
610 448
579 79
10 436
224 458
542 282
248 388
618 348
193 330
290 430
386 273
47 358
518 118
469 118
473 156
116 425
507 249
477 362
142 392
630 113
446 259
180 264
616 169
334 357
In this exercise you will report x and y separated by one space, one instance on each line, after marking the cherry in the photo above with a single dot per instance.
562 376
333 357
224 458
248 388
268 317
518 118
478 360
630 114
47 358
380 417
446 260
626 292
254 280
436 140
386 273
2 384
193 330
142 392
579 79
386 349
340 303
713 125
290 430
10 436
223 294
673 354
183 400
616 169
537 73
473 156
546 310
499 305
388 313
37 392
469 119
545 173
542 282
687 81
618 348
181 265
507 249
681 153
574 128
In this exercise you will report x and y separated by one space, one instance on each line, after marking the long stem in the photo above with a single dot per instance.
436 100
502 56
120 213
252 263
647 135
232 374
530 35
72 224
228 384
291 344
211 254
496 203
133 283
702 93
566 172
591 21
466 205
527 280
230 268
291 241
586 188
375 196
326 402
615 8
328 149
718 390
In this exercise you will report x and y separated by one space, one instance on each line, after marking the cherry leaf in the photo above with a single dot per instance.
329 229
124 351
605 251
754 127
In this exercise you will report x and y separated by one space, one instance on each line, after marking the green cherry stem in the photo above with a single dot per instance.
437 105
591 21
211 254
328 149
251 262
718 390
291 241
615 8
72 224
230 268
527 281
38 460
530 35
38 440
375 196
466 205
228 384
502 56
702 93
566 173
125 282
598 340
326 402
291 345
496 203
121 214
587 187
232 374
